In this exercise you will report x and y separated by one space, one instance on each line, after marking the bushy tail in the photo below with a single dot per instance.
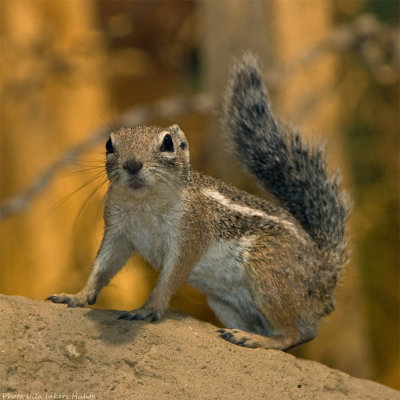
289 168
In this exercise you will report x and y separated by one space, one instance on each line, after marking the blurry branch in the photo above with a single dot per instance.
169 107
377 44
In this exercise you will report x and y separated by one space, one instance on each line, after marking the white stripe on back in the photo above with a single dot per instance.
245 210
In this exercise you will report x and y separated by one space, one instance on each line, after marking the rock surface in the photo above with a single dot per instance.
49 351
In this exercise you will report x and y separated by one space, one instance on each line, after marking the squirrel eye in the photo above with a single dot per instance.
109 146
168 144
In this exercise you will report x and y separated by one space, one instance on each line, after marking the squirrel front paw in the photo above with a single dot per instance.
72 300
143 313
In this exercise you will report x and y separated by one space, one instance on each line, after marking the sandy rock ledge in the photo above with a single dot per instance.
49 351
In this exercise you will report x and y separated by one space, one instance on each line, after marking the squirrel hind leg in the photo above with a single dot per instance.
226 314
252 340
247 329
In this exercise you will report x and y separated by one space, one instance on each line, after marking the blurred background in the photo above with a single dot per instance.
73 70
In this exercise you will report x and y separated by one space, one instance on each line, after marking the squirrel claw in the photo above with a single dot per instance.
152 316
70 300
233 336
130 316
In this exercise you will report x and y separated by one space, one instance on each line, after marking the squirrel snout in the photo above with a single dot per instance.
132 166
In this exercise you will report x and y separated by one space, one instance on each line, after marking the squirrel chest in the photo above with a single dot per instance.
148 226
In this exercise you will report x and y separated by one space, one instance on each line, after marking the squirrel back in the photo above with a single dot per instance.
289 168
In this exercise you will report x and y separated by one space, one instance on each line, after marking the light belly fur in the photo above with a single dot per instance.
152 236
222 277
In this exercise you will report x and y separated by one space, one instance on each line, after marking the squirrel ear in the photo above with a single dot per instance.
174 127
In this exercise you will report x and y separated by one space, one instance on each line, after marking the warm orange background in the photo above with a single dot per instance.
68 67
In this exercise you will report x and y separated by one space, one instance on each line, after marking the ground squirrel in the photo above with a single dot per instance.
267 269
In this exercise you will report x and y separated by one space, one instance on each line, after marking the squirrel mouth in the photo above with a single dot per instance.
136 184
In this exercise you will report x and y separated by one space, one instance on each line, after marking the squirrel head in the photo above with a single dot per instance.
147 157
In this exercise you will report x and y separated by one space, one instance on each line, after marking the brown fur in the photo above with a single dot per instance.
268 270
259 269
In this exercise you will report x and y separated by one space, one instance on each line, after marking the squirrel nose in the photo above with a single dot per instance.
132 166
